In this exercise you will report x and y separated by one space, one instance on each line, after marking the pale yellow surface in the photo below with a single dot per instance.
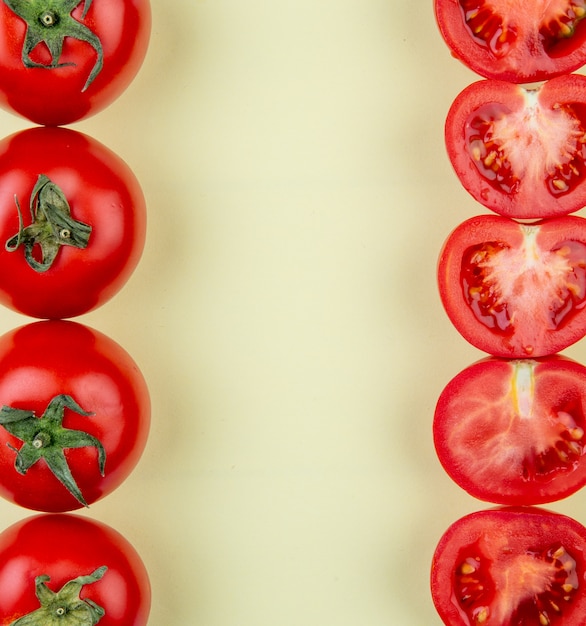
285 312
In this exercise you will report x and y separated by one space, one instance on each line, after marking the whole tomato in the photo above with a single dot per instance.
69 570
62 60
74 415
521 151
72 222
514 40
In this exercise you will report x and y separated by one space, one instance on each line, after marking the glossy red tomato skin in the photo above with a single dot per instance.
64 546
530 57
533 313
102 191
41 360
508 541
55 97
537 133
512 431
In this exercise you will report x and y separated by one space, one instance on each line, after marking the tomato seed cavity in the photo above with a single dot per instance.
528 146
497 280
488 27
498 33
549 582
561 25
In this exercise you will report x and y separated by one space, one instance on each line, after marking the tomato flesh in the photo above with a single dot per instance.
539 597
556 139
513 431
497 24
488 290
517 566
521 152
516 290
513 40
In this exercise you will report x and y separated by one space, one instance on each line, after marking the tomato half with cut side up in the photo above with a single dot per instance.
514 40
516 290
511 566
521 152
512 431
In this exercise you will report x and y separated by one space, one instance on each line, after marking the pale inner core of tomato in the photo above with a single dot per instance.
532 146
525 288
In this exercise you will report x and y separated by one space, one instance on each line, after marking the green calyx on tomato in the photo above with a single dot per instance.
52 226
49 22
46 438
64 607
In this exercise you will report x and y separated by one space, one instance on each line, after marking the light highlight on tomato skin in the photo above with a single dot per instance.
516 290
512 431
493 275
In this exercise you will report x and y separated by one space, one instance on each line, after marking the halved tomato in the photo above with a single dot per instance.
514 40
516 290
512 431
521 152
511 566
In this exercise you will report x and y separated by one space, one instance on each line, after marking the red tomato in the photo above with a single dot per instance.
55 454
59 65
107 213
511 566
516 290
521 152
514 40
42 553
512 431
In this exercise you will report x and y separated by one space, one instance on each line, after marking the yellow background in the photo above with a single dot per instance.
285 312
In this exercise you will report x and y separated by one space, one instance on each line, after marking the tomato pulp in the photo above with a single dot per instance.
516 290
513 40
521 152
511 566
513 431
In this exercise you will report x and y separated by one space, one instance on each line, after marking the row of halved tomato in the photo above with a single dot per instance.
510 429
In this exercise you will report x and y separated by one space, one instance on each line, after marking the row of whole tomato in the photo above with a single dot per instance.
74 405
511 429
